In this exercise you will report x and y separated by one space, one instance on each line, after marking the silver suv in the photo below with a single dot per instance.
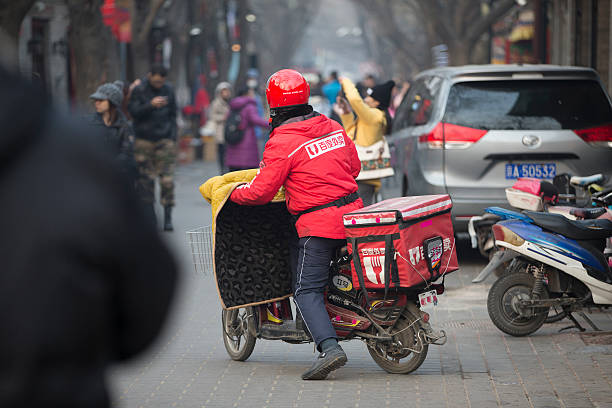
472 131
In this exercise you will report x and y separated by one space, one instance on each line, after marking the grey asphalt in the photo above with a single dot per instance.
479 366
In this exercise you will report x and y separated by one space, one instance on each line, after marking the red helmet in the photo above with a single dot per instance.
287 87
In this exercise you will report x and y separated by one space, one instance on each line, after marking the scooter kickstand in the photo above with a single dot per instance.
589 321
575 326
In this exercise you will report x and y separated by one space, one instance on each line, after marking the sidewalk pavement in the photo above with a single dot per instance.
479 366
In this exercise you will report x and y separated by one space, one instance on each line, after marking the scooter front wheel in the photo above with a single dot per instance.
237 333
504 305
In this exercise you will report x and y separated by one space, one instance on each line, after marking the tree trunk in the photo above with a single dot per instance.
179 34
140 58
244 28
143 14
96 58
12 14
458 52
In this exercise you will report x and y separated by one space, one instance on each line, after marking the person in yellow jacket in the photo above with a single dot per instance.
366 124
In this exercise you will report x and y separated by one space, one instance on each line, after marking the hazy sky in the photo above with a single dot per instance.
332 42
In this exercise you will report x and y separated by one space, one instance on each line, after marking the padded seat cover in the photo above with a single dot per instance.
579 229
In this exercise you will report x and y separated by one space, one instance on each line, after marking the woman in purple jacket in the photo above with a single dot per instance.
245 155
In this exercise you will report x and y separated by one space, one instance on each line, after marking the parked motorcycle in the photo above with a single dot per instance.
556 262
558 197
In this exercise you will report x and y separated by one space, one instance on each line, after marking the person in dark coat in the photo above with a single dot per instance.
85 280
110 121
153 107
245 155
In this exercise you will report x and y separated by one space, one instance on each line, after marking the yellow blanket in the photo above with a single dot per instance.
250 244
216 190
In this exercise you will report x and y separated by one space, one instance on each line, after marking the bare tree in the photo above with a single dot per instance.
96 58
459 24
12 14
279 30
143 13
178 16
394 35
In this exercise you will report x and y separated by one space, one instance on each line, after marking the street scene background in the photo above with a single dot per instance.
479 366
69 48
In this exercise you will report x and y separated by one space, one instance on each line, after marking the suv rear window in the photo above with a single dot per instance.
524 105
417 106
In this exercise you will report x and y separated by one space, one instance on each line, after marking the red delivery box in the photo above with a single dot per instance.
401 242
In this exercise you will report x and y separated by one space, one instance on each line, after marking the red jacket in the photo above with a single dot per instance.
317 163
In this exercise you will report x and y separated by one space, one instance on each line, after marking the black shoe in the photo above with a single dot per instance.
326 363
168 219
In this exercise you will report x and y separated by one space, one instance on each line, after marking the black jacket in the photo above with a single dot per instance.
152 123
119 137
85 279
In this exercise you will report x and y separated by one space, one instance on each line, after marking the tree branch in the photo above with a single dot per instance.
148 22
479 28
431 11
385 22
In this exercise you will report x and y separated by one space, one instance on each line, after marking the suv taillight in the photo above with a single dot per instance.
433 139
598 136
451 136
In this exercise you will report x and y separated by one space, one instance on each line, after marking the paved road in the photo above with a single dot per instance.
478 367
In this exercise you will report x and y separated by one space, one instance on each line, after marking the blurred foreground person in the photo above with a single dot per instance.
113 125
153 106
85 280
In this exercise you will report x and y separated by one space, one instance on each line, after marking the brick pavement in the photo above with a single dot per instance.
478 367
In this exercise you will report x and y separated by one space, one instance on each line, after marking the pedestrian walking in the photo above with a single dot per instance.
153 108
112 124
217 115
245 154
366 124
86 281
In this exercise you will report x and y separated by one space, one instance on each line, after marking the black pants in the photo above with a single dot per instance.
310 258
221 157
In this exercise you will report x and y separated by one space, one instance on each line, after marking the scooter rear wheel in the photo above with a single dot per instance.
407 352
503 305
237 333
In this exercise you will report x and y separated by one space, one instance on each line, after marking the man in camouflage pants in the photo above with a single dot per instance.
153 107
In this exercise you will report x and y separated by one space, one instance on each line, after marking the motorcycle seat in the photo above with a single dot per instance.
578 229
585 181
588 213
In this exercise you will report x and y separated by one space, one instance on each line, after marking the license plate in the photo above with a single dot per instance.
429 298
540 171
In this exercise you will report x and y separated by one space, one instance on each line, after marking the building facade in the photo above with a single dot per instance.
44 52
581 35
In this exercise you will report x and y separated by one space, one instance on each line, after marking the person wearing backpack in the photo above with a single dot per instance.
241 150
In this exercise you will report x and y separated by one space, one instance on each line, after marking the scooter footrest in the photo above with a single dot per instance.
285 331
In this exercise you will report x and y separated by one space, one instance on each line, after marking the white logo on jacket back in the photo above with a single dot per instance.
324 145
